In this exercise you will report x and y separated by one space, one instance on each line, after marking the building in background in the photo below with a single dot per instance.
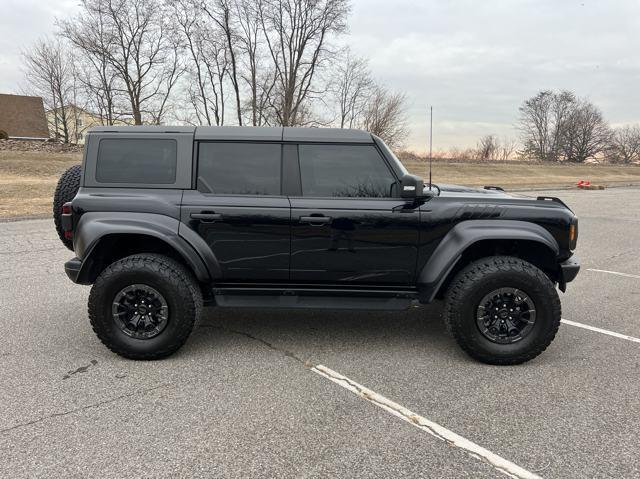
79 121
22 118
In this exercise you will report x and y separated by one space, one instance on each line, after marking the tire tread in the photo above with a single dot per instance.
65 191
470 278
187 287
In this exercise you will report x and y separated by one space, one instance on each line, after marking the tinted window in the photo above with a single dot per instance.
239 168
137 161
344 171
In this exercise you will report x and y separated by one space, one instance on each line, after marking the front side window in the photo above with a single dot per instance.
239 168
344 171
143 161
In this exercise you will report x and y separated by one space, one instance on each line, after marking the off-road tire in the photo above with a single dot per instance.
173 280
481 277
66 190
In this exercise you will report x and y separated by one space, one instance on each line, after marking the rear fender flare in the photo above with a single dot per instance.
95 226
462 236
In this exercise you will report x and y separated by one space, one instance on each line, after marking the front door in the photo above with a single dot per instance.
238 209
347 226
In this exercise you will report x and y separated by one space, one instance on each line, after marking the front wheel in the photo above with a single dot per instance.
502 310
144 306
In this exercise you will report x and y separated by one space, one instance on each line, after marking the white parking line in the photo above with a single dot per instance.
454 440
626 275
600 330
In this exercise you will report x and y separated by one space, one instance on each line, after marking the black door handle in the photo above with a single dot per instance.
206 217
315 220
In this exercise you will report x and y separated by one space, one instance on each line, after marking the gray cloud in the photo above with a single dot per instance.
474 61
21 23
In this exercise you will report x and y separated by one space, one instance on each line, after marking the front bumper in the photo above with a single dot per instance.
568 272
72 268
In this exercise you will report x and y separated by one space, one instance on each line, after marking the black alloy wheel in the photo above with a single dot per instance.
506 315
140 311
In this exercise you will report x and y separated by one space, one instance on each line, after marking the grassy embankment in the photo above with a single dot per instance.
28 178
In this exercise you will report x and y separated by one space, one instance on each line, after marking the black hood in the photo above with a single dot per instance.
486 192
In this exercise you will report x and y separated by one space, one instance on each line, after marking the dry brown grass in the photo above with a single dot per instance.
525 175
28 178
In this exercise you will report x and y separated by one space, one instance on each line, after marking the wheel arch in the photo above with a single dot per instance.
101 239
475 239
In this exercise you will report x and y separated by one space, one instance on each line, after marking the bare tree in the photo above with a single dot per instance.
97 76
488 147
535 124
297 33
563 105
559 127
133 38
624 146
385 116
507 149
222 14
50 74
542 119
585 134
206 58
353 85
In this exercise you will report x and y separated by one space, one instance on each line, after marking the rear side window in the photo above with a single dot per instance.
239 168
144 161
344 171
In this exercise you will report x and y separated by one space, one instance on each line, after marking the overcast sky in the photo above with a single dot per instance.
475 61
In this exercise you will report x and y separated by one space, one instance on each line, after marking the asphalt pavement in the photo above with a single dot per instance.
241 399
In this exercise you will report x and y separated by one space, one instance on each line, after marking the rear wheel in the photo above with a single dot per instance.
66 190
502 310
144 306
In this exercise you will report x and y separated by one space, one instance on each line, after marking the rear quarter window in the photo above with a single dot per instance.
143 161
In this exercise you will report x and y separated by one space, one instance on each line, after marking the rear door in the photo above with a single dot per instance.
239 210
348 225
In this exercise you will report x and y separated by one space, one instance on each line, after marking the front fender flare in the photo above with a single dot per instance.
95 226
462 236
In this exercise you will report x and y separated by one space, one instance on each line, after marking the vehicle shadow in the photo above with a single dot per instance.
308 334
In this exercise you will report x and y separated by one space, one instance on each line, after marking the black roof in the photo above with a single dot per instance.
251 133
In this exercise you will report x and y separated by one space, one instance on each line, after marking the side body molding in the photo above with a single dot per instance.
466 233
95 226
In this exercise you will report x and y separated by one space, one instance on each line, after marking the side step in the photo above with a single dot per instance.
314 299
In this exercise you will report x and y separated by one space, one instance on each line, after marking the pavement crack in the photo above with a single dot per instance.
290 354
83 408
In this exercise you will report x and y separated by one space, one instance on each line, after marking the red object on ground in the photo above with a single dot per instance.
587 183
580 183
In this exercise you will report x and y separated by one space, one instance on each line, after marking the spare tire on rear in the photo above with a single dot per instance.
68 186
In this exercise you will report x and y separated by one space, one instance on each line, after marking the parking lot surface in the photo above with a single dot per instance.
241 398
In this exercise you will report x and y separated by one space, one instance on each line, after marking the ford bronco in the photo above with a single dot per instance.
166 220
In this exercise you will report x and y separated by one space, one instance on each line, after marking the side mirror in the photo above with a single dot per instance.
412 187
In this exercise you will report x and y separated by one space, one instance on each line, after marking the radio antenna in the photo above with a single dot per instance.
430 144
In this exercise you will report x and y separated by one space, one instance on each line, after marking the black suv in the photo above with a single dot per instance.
164 220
